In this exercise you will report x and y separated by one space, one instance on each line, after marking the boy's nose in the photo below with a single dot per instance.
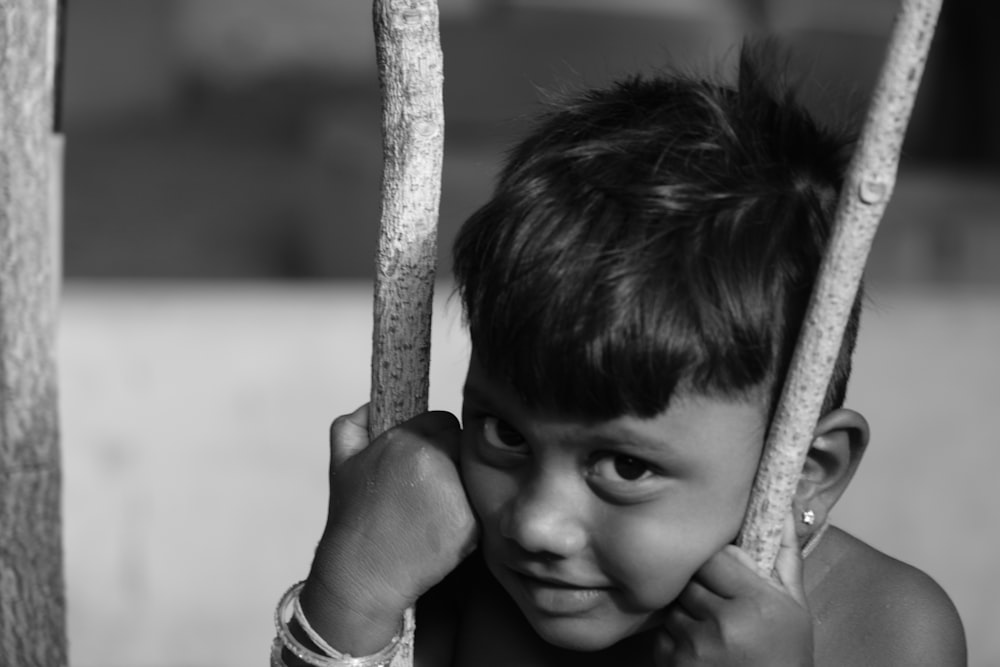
546 519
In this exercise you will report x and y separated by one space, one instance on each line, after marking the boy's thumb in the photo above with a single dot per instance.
788 565
348 436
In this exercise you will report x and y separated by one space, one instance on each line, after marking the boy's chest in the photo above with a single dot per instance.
494 634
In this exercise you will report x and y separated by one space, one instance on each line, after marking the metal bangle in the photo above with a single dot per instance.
285 639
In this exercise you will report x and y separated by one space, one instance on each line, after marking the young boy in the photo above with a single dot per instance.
633 291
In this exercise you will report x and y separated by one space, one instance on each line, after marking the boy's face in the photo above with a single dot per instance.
594 527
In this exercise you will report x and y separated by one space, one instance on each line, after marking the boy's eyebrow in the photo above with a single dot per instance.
634 438
607 433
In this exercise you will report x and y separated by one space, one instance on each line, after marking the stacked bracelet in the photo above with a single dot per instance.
330 657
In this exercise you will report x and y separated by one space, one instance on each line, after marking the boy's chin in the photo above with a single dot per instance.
586 634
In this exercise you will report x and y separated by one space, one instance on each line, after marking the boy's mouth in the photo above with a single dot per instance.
556 597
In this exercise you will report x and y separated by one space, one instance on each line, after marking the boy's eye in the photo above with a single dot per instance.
499 433
621 468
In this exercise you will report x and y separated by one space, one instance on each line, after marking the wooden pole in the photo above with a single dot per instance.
408 50
32 592
411 75
867 188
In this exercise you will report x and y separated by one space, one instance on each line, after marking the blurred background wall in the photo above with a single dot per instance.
223 163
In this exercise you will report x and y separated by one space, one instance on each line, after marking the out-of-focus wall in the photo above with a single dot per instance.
195 420
243 39
245 141
236 40
848 15
129 57
274 171
120 58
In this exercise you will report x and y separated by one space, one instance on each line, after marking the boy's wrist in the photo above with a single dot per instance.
350 617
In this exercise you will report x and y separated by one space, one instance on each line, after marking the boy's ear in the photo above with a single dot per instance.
838 444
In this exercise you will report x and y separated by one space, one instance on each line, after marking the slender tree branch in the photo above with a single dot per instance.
32 592
867 188
410 67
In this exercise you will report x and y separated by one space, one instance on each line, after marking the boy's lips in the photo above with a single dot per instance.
555 596
559 582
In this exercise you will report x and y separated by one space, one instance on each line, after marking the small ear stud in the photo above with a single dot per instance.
808 517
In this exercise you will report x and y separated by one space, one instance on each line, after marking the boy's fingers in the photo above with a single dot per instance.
788 565
744 558
679 628
348 435
439 428
665 648
698 601
432 424
730 573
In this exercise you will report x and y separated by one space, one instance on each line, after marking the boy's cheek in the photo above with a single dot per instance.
469 469
655 587
660 561
482 485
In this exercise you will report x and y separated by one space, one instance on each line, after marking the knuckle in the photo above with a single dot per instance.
728 626
394 438
701 650
412 455
443 421
425 459
738 632
768 611
339 427
337 424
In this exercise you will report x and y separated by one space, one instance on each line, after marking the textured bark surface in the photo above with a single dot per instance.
32 595
869 184
410 66
411 75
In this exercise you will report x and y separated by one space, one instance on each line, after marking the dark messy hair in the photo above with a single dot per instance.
659 235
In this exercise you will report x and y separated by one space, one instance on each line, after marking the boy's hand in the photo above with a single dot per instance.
398 523
729 614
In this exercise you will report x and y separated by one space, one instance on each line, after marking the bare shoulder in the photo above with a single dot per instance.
870 608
